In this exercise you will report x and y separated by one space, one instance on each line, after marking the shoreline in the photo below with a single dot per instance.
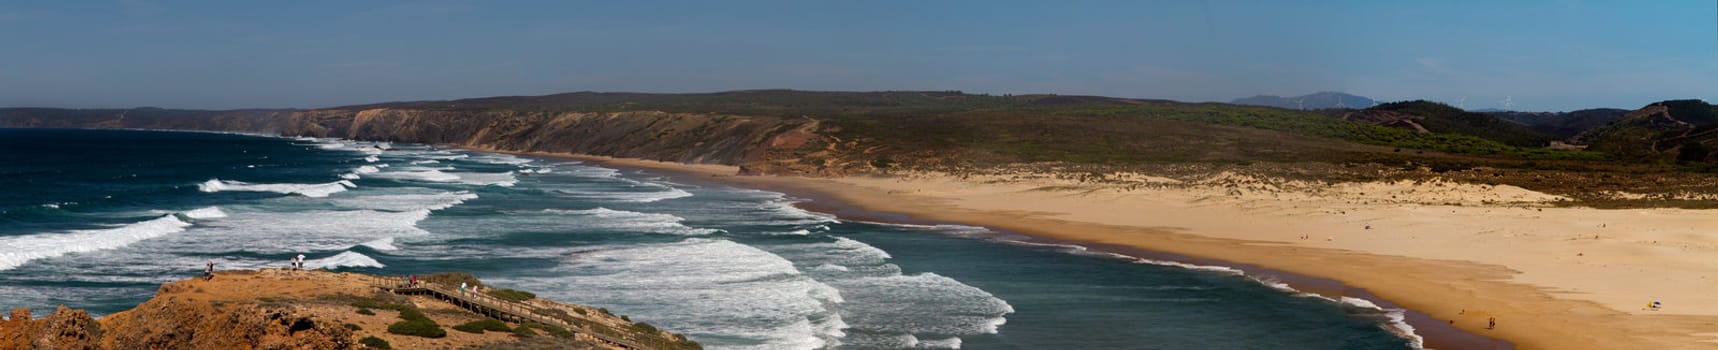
1462 293
1419 327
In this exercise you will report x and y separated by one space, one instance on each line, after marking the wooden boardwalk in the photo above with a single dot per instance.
497 308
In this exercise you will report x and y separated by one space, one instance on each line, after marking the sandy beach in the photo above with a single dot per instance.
1553 277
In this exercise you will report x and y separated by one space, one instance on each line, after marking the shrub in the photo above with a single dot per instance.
413 314
354 327
375 343
514 295
479 326
555 331
646 328
451 279
524 331
364 311
421 328
581 312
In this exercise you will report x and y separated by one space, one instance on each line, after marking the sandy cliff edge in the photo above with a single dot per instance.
280 309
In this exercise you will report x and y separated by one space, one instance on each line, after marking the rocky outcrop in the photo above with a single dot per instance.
278 309
176 323
64 329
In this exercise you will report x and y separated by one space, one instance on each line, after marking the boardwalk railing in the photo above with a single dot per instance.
501 309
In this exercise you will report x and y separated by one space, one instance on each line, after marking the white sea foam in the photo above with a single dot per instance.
666 193
496 158
950 343
591 172
372 158
425 161
960 308
299 231
23 249
424 174
206 213
384 243
307 190
351 146
406 201
418 174
344 259
703 286
484 179
1397 317
605 218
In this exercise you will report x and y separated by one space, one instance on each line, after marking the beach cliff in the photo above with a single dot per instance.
280 309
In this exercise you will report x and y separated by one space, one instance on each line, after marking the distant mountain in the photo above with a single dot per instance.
1489 110
1321 100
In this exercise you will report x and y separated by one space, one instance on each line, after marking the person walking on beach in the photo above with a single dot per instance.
1491 323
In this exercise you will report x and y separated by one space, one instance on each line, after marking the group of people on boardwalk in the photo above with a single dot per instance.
463 287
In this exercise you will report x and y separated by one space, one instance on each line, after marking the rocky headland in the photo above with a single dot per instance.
280 309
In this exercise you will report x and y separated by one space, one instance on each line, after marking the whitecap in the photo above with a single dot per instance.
604 218
22 249
406 201
344 259
950 343
421 174
298 231
702 287
492 158
307 190
960 308
206 213
384 243
632 197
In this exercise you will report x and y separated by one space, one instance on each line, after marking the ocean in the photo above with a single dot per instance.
98 219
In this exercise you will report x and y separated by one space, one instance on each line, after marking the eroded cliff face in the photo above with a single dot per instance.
675 137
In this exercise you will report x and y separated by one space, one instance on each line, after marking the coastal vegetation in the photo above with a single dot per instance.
1658 155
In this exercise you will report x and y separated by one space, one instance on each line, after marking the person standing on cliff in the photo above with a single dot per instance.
209 271
462 289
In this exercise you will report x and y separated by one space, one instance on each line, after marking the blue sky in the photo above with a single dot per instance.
1546 55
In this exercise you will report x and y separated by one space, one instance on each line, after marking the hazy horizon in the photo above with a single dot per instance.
1546 56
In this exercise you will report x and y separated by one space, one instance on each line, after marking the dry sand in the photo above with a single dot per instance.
1555 278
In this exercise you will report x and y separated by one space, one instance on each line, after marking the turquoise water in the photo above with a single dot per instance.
98 219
